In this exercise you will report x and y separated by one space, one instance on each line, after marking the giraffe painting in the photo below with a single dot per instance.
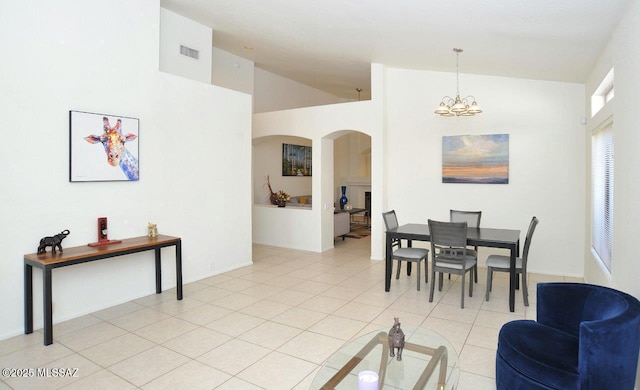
113 142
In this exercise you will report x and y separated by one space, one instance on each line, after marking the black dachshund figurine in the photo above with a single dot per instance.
53 242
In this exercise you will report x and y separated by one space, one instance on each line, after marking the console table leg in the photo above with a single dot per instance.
47 306
179 269
28 299
158 271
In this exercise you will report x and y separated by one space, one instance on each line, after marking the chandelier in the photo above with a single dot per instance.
466 106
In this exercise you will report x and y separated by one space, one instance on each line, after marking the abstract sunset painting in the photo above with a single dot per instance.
479 159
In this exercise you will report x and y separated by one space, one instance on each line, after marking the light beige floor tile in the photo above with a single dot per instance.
340 292
259 276
197 342
386 318
4 386
455 313
299 318
270 334
328 278
376 297
284 281
74 325
484 337
265 309
277 371
237 384
139 319
312 287
90 336
455 332
323 304
235 324
34 356
193 375
173 307
155 299
290 297
469 380
204 314
148 365
117 311
324 346
216 279
56 374
234 356
479 361
19 342
338 327
261 290
307 382
117 349
210 294
102 379
236 285
491 319
165 330
236 301
359 311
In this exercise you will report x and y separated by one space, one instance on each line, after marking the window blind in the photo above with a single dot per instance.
602 157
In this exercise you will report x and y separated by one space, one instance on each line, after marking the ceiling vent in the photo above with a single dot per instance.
189 52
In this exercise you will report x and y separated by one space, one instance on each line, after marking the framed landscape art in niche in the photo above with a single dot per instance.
296 160
103 147
479 159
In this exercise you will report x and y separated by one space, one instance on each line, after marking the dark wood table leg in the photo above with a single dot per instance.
47 306
388 265
28 299
158 271
179 269
512 279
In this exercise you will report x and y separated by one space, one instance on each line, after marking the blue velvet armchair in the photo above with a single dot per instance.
585 337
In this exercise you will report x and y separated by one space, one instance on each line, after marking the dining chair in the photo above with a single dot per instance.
500 263
413 255
449 254
472 218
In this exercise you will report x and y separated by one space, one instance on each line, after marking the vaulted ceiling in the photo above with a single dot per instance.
329 44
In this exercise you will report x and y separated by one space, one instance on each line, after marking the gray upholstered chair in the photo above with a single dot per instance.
472 218
449 254
414 255
500 263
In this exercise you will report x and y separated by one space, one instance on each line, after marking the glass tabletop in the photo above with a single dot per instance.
427 358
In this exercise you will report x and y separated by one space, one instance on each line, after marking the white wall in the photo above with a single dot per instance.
546 147
274 92
267 161
63 58
623 54
231 71
176 30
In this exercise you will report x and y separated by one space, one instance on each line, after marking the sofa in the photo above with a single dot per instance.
300 201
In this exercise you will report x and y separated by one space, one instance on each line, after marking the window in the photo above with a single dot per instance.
602 157
603 94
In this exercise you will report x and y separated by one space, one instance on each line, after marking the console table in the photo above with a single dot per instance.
83 254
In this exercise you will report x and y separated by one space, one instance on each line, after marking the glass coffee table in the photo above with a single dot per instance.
429 361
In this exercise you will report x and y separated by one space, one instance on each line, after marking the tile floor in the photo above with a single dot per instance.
267 326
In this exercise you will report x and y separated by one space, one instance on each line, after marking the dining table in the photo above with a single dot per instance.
485 237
